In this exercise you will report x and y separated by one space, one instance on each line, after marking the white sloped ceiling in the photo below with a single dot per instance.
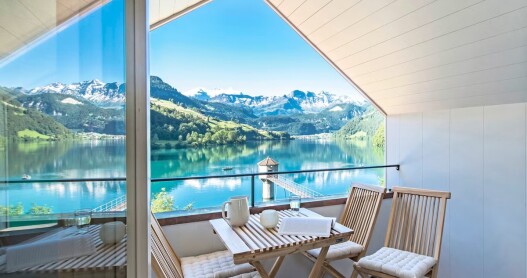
418 55
24 21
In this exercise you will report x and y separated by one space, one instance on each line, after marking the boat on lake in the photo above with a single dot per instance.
227 168
26 177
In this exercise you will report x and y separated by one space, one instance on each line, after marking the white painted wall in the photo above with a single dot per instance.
197 238
479 154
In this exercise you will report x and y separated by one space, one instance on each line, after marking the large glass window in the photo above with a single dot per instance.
232 86
62 137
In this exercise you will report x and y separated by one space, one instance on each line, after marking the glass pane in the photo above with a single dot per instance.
233 85
62 138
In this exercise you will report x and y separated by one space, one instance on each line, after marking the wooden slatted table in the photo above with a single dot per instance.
106 261
253 243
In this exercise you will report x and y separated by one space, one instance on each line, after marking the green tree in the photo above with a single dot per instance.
232 135
12 210
36 210
189 206
378 137
162 202
207 138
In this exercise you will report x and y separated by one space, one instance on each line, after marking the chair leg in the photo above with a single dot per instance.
331 270
357 272
435 270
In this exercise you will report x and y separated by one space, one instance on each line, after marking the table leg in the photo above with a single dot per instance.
276 266
261 270
315 271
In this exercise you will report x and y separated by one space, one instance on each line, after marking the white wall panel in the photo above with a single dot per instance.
504 191
436 161
411 150
466 185
479 154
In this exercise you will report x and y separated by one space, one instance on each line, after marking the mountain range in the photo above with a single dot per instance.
95 106
113 94
95 91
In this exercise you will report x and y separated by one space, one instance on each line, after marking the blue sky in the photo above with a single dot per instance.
92 48
239 44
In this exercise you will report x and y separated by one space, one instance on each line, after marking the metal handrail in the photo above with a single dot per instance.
396 166
113 203
293 185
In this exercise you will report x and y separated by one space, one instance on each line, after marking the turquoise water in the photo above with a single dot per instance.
106 159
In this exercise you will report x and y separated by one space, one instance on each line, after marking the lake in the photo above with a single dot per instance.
106 159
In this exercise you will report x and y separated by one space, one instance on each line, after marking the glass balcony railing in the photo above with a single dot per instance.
106 197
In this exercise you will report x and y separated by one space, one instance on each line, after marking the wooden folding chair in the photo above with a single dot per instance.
360 214
166 263
413 240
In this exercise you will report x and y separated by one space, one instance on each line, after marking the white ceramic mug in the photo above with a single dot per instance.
269 218
112 232
237 211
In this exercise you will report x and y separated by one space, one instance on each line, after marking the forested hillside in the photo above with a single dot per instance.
77 114
364 127
172 122
27 124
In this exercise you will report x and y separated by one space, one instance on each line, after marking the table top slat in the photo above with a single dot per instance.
229 237
260 231
249 232
275 241
283 239
247 239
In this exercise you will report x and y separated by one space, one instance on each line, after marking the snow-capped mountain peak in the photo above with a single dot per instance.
96 91
205 94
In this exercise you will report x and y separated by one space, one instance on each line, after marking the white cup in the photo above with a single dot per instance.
269 218
112 232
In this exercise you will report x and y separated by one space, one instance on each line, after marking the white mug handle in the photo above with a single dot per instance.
223 211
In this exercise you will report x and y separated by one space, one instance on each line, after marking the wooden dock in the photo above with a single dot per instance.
293 187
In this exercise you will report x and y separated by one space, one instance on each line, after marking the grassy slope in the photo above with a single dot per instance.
27 121
361 127
26 133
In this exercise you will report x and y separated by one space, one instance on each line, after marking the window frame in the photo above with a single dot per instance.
137 138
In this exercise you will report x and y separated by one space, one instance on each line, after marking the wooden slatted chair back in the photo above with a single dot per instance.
361 211
416 220
165 262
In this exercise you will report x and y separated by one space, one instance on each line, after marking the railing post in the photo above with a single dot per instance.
252 191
